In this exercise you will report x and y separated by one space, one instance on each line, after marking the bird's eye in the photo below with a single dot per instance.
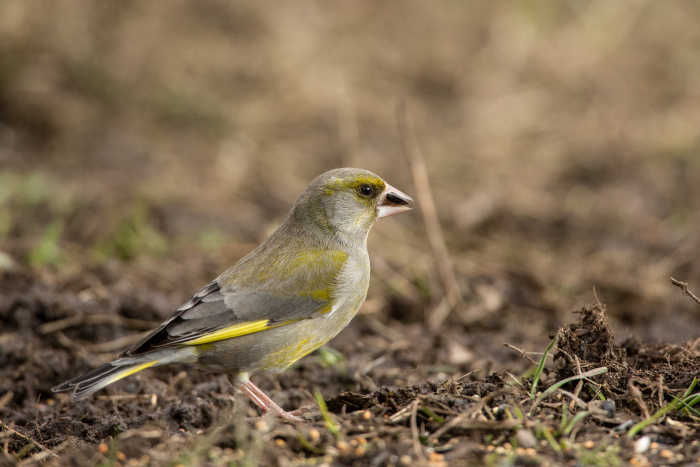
365 190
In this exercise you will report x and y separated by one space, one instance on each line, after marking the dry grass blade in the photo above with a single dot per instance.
93 319
430 216
117 344
464 423
522 353
417 448
6 398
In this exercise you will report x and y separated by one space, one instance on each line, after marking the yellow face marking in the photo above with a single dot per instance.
354 183
130 372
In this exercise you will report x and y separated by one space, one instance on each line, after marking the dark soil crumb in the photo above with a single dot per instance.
587 343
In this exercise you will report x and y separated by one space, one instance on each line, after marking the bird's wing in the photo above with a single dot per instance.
216 313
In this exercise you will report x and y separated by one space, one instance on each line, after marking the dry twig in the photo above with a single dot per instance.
684 287
430 216
637 396
579 385
92 319
522 353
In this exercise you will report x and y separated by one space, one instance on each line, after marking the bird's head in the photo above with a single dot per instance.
349 201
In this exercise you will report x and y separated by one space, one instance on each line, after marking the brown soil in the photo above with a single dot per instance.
169 415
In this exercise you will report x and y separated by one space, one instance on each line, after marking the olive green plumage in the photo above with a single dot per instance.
288 297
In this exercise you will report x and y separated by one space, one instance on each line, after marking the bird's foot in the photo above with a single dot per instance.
267 405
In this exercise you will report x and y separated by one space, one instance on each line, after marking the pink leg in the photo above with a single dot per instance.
266 404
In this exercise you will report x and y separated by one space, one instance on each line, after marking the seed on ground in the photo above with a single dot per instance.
343 446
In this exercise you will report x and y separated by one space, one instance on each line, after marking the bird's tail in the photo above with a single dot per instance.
85 385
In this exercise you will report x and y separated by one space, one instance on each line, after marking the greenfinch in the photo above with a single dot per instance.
285 299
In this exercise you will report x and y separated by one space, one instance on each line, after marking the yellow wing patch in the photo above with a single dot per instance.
236 330
131 371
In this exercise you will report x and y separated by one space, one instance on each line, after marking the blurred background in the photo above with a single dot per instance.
161 141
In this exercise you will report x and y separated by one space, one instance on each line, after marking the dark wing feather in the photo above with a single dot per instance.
210 309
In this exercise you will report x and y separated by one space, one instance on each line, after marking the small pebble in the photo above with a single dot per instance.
609 407
280 442
102 448
343 446
367 415
120 456
666 454
642 444
406 460
654 445
588 444
436 458
526 439
260 425
359 451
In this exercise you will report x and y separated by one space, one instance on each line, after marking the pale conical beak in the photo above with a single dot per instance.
392 201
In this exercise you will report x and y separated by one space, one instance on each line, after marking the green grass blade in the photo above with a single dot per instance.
328 420
540 368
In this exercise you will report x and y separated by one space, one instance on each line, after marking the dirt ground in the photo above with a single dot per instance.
146 146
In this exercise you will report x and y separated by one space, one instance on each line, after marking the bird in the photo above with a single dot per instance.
285 299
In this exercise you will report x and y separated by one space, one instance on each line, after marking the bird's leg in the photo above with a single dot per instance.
266 404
